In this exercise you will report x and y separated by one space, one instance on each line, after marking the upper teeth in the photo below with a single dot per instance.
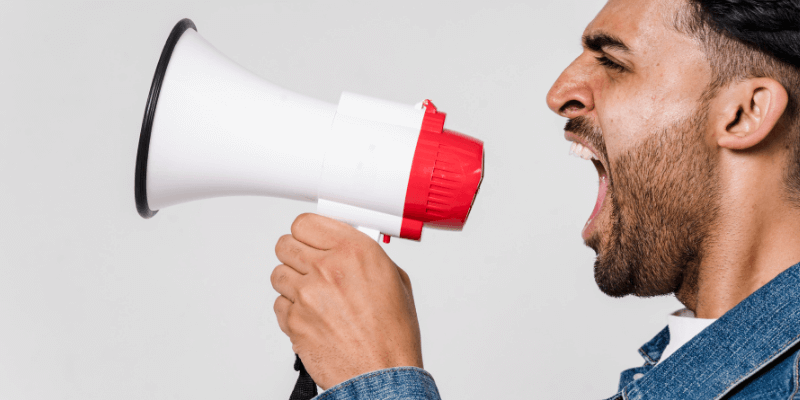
581 151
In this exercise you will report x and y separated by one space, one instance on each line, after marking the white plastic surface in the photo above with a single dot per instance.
388 112
361 217
220 130
372 233
369 154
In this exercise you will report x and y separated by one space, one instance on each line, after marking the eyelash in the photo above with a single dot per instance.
604 61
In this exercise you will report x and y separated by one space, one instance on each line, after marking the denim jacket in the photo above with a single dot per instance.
751 352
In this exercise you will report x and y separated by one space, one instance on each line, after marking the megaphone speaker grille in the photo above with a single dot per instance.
140 185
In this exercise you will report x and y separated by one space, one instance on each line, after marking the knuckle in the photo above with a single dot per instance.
324 264
283 241
288 323
310 300
303 297
278 276
292 322
277 306
295 250
334 272
300 221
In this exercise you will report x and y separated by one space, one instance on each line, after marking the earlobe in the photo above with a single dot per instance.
748 112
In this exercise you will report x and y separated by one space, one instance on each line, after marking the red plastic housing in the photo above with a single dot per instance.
445 176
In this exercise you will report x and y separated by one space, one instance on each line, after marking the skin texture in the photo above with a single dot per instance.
347 308
696 201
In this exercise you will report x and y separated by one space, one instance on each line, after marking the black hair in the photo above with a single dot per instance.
772 26
749 39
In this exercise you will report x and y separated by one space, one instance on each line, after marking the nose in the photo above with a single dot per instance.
571 94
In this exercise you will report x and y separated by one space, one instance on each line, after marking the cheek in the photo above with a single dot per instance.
636 109
627 118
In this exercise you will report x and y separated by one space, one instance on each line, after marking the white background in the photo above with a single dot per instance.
97 303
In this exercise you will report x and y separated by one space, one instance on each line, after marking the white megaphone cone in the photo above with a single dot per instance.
212 128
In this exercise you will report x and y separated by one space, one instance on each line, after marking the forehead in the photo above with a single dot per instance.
641 24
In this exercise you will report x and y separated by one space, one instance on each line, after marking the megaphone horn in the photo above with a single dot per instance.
212 128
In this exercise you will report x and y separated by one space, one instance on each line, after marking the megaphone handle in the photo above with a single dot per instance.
305 388
373 233
356 216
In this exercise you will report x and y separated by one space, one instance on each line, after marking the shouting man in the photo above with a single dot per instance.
690 111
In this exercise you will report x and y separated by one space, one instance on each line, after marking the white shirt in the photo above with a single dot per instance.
683 326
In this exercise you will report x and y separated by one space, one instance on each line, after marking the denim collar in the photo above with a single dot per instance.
652 350
743 341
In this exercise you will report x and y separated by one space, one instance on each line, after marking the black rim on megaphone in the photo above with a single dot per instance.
140 185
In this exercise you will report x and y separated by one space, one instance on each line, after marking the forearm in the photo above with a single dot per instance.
401 383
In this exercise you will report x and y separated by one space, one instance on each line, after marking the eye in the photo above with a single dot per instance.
604 61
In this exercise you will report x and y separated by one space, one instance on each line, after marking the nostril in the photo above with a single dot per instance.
571 107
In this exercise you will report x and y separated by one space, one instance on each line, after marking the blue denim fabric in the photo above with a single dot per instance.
751 352
402 383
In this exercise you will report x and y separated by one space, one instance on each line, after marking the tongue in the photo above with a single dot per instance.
601 195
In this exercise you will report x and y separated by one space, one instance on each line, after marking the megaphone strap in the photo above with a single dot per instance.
305 388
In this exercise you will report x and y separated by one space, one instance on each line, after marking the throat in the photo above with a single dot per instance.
687 292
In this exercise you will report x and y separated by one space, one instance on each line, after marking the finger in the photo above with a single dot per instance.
320 232
281 308
296 254
285 280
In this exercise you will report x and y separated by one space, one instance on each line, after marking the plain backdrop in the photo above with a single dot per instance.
98 303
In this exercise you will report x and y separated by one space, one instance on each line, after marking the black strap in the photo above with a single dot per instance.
305 388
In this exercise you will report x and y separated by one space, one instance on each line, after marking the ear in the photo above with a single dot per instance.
746 112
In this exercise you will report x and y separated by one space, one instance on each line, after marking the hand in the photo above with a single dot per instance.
347 308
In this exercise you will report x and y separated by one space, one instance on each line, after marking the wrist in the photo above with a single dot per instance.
413 382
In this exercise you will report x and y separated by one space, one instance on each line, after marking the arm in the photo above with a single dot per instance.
349 313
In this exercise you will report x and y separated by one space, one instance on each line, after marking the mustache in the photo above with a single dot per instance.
583 128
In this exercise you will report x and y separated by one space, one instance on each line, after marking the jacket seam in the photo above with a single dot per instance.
647 357
365 376
796 377
757 367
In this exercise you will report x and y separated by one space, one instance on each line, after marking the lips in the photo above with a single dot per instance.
584 150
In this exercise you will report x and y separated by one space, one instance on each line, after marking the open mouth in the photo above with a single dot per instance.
581 149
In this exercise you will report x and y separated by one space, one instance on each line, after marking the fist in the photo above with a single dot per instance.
346 307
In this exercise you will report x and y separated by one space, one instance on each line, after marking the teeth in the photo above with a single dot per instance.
579 150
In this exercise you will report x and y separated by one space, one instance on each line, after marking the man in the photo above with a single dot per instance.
690 110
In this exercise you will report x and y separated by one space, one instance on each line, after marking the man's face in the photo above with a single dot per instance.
634 99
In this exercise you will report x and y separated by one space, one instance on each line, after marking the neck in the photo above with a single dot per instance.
754 239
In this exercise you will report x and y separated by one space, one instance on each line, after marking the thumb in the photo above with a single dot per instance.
405 279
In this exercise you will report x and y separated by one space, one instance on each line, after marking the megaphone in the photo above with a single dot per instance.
212 128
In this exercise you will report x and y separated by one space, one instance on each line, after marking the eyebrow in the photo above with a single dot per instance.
598 42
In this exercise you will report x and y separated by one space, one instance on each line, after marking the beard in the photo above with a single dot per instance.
664 203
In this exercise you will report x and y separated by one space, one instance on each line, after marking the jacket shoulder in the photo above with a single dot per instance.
778 380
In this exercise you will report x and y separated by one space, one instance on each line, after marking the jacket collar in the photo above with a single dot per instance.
743 341
652 350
